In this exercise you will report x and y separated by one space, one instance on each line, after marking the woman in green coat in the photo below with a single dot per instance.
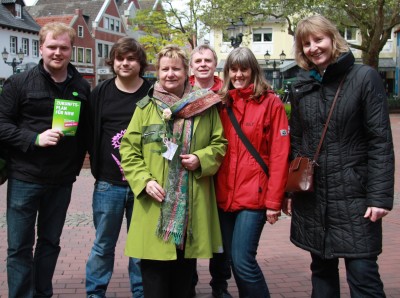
170 152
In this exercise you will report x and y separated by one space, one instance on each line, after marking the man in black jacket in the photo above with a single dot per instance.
44 159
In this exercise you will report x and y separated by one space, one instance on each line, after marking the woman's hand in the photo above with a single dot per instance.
375 213
273 216
190 161
155 191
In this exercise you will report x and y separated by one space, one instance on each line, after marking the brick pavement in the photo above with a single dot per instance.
285 267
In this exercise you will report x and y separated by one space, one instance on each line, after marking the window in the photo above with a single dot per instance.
349 33
25 46
13 45
88 55
112 24
117 25
35 48
73 54
80 55
100 50
80 31
18 10
263 35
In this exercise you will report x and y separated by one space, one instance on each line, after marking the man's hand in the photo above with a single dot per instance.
50 137
287 206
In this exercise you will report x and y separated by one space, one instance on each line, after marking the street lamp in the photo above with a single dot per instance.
275 73
14 63
233 28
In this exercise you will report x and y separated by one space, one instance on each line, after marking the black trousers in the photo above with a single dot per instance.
168 279
362 277
220 271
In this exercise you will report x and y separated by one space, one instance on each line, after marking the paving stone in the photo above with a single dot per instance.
285 266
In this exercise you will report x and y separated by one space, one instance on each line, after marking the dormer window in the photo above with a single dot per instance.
18 10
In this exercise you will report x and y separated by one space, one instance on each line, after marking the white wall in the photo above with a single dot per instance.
6 70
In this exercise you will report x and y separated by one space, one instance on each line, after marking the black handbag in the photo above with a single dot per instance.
246 141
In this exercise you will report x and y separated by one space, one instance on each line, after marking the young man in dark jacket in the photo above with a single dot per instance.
111 106
43 160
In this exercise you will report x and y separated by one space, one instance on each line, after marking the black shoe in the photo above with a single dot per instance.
221 293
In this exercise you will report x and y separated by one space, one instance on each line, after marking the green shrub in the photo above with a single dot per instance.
288 109
393 103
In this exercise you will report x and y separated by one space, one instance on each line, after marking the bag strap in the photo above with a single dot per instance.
246 141
327 120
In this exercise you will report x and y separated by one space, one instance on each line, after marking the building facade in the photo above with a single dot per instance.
18 34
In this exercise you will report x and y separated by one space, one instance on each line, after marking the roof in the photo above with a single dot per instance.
66 19
148 4
46 8
8 20
124 5
384 64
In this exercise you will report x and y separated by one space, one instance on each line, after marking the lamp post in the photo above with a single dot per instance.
14 63
233 29
275 73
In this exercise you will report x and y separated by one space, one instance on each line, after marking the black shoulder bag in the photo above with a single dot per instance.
246 141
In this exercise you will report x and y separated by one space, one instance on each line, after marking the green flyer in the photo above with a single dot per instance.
66 116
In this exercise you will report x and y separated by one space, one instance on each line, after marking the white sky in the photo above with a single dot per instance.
29 2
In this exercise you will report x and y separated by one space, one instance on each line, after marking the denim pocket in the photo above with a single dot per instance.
101 186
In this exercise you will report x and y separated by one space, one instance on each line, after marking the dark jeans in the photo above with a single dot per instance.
168 279
362 277
220 271
30 275
241 232
110 204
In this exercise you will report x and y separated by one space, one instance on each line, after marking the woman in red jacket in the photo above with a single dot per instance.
248 194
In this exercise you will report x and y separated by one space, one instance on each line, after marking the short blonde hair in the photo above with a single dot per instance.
243 57
313 25
174 52
57 29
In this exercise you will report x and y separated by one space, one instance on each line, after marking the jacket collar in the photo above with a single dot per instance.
244 93
71 71
308 79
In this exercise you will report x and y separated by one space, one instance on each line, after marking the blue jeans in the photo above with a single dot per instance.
241 232
362 277
110 203
30 274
